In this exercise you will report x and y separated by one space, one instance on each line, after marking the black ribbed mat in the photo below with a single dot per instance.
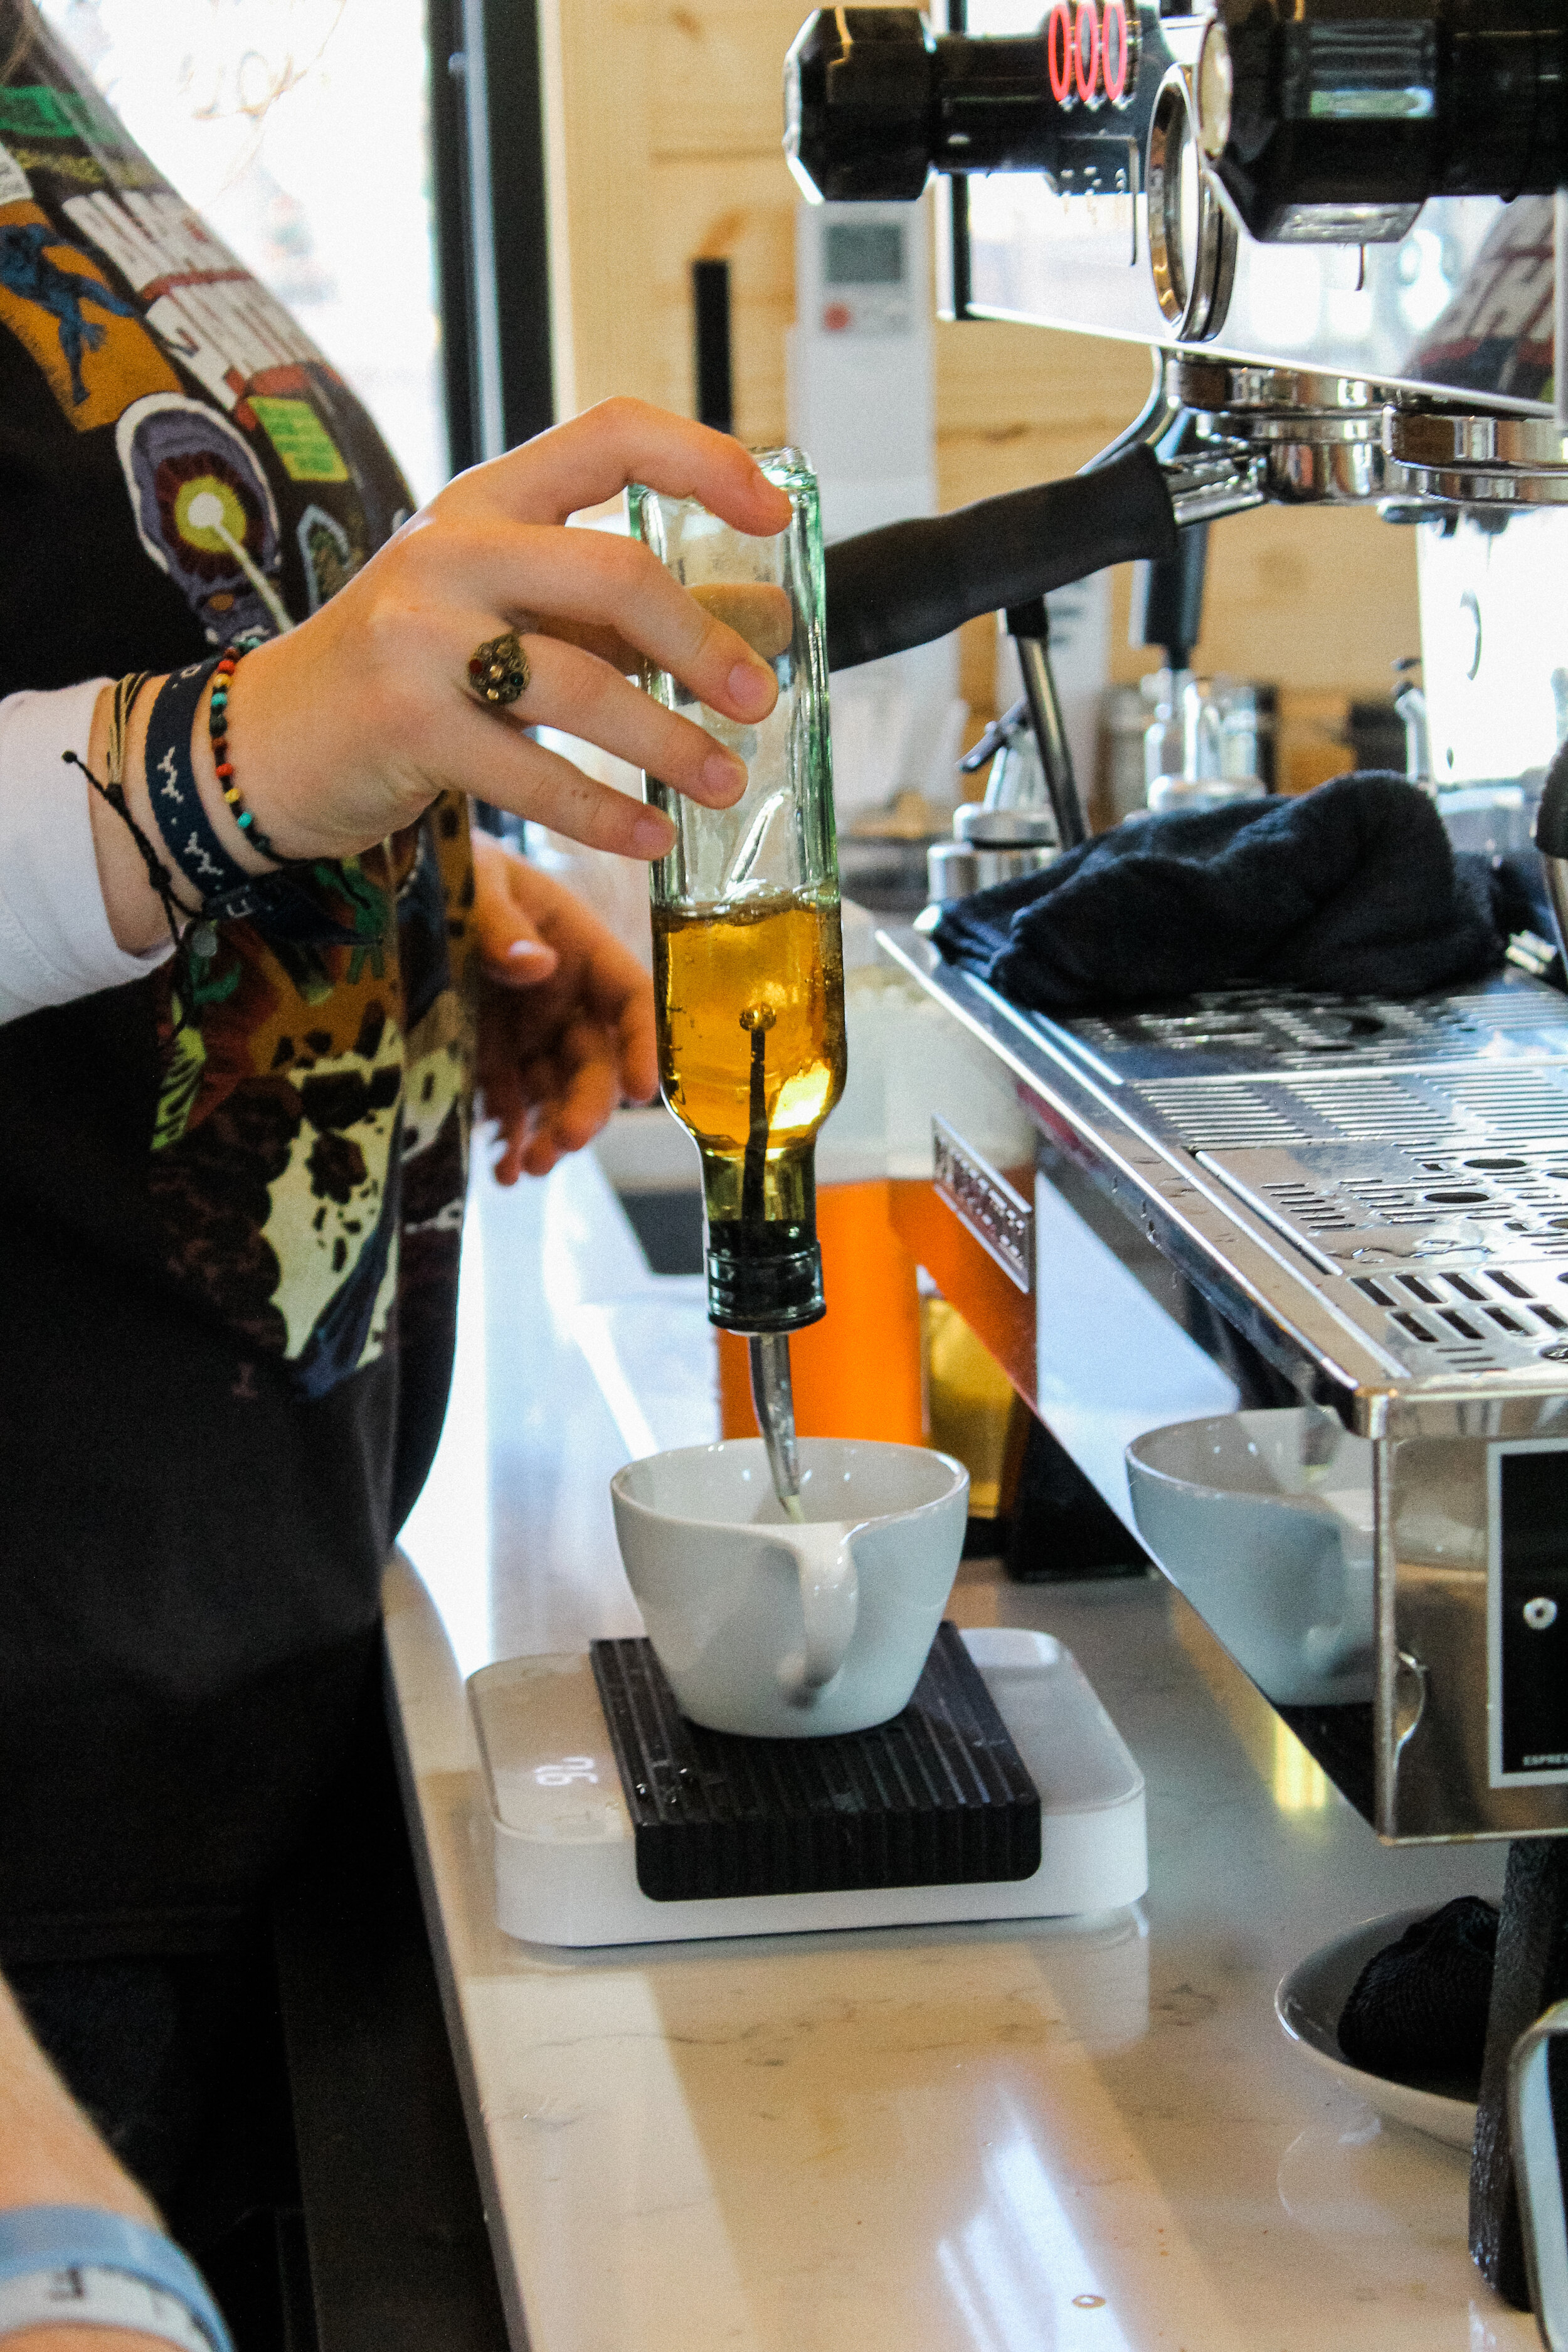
939 1797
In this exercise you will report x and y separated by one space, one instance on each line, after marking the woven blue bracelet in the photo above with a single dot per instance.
228 893
183 822
83 2237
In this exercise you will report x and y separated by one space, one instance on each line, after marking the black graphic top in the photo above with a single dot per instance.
231 1192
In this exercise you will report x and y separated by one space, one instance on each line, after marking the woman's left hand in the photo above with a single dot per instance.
566 1028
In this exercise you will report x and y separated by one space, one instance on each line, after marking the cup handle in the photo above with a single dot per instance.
1540 2174
829 1599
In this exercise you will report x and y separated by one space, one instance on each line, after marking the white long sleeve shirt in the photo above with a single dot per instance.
54 939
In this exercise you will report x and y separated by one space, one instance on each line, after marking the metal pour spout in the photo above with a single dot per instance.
774 1407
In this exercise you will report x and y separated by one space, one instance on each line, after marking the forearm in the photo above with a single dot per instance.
50 2155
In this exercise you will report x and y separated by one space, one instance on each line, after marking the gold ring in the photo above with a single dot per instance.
498 670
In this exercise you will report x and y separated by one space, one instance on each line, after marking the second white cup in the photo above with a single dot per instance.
784 1631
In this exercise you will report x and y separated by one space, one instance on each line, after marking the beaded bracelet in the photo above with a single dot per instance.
217 724
227 891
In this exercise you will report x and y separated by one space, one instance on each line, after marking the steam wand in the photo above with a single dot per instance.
771 1394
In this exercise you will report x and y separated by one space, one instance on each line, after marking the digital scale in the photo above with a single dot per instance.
581 1806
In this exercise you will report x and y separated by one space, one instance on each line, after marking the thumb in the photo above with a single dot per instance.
511 947
522 961
509 941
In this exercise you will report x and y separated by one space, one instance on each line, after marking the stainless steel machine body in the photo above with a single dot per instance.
1361 1205
1258 1197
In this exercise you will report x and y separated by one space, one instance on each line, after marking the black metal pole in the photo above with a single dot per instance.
492 239
715 377
452 227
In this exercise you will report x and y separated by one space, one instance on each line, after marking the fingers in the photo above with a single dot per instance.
555 1060
497 762
597 455
525 964
579 695
553 1104
584 580
522 960
588 1091
505 1104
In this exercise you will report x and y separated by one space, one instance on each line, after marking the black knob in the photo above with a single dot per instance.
874 100
1326 123
857 90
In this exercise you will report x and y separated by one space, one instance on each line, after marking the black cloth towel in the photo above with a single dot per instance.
1417 2013
1353 887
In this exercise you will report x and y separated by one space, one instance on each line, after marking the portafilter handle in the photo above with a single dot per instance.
1551 842
911 583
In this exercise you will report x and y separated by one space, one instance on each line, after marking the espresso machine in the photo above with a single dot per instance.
1339 226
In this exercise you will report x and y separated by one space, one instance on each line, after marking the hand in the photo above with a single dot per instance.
566 1026
346 729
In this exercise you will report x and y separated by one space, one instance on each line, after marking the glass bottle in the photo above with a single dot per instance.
748 956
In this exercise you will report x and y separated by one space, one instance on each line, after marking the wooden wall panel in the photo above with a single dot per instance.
738 209
717 74
604 239
665 123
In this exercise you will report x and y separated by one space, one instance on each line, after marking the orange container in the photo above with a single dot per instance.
858 1373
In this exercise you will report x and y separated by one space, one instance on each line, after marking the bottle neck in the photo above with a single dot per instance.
763 1269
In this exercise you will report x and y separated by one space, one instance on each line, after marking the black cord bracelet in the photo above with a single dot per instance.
158 874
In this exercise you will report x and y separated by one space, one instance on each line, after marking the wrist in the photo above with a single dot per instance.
275 744
131 906
143 799
86 2268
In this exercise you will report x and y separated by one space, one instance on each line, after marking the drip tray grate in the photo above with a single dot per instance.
1452 1111
1273 1033
939 1797
1350 1206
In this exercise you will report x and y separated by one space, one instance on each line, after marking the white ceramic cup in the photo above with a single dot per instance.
780 1630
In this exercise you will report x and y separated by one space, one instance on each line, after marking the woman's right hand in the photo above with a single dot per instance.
344 730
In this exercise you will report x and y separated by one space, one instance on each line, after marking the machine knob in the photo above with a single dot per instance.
858 89
874 100
1332 123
